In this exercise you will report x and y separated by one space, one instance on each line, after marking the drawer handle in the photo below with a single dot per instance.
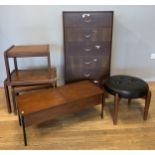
97 47
85 15
95 81
87 63
87 49
95 60
86 18
87 75
87 36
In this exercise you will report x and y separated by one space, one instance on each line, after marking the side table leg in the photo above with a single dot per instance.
24 131
116 106
54 84
49 66
147 104
14 101
102 108
7 96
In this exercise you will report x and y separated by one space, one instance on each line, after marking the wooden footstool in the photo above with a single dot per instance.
129 87
44 105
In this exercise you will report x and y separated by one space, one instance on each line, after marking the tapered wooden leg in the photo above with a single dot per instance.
19 119
129 102
147 104
7 96
14 101
116 106
102 105
54 84
16 94
24 131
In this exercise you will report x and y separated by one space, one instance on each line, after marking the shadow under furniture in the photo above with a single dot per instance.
20 80
47 104
129 87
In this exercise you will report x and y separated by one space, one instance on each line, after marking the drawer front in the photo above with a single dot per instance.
78 19
93 68
87 34
95 76
101 69
87 48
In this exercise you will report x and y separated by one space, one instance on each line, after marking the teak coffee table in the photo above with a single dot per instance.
44 105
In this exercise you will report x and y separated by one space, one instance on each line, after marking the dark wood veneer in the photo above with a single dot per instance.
87 45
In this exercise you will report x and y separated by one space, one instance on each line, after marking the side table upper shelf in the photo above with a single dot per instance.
25 51
28 51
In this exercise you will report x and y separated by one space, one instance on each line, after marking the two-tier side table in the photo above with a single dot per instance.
27 78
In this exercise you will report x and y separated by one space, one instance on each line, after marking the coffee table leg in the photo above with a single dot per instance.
116 105
102 108
24 131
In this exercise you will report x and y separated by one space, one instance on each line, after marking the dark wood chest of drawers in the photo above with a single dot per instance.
87 45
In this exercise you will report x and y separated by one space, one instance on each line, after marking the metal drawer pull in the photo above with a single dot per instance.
87 49
87 75
87 36
86 18
85 15
87 63
95 60
98 46
95 81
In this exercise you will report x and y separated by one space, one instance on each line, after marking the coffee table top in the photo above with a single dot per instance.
79 90
28 51
49 98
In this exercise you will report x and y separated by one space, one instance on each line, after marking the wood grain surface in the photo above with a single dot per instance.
28 50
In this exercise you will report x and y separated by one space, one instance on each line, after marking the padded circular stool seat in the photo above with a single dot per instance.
123 86
126 86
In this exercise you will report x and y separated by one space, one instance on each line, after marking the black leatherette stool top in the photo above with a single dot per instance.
126 86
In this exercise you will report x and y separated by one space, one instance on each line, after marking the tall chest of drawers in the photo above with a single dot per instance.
87 45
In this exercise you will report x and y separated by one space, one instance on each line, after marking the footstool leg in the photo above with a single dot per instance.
7 97
102 108
147 104
24 131
116 106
